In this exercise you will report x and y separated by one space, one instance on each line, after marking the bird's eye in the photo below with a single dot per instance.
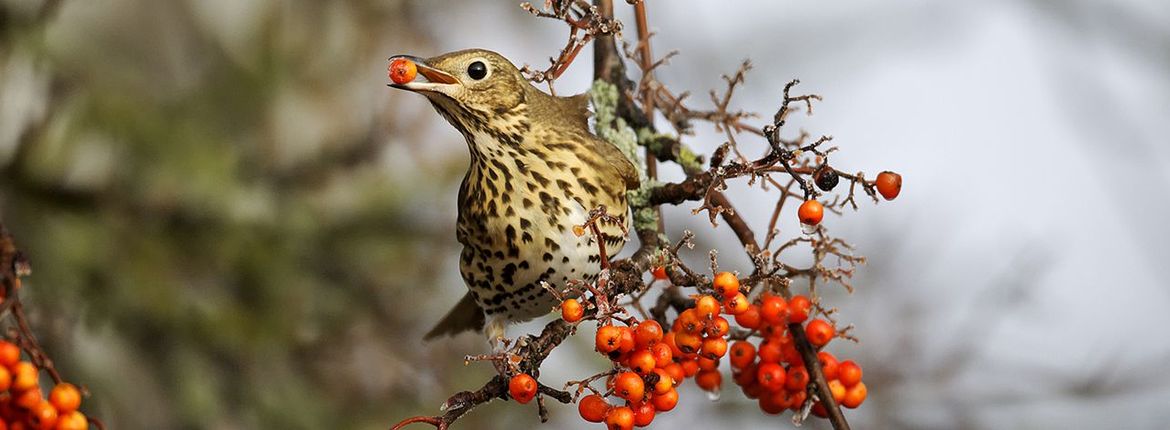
477 70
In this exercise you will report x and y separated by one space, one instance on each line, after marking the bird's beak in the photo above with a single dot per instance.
436 80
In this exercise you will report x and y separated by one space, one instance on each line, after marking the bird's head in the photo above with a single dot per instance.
474 83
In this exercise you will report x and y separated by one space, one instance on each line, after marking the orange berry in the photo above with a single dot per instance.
744 376
522 388
749 319
773 402
819 332
717 327
643 362
742 354
709 380
626 340
797 378
572 311
736 304
707 363
771 376
28 398
5 379
855 395
662 354
889 184
9 353
593 408
665 402
771 352
811 212
798 309
706 306
608 338
629 386
664 382
65 397
42 416
849 372
402 71
660 273
643 414
72 421
726 284
620 418
647 333
688 343
714 348
838 390
690 367
829 364
671 342
774 310
676 372
689 322
25 376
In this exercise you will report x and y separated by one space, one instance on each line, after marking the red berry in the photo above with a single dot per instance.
665 402
889 184
714 348
849 372
726 284
855 395
774 310
797 378
688 343
838 390
717 327
749 319
647 333
9 354
709 380
629 386
771 376
626 340
819 332
42 416
742 354
665 382
773 402
829 364
798 309
771 352
593 408
402 71
65 397
660 273
662 354
643 362
706 307
643 414
736 304
572 311
621 418
522 388
811 212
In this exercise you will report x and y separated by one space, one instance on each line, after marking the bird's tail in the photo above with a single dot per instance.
465 316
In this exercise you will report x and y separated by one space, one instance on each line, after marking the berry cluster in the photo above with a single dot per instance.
22 403
773 371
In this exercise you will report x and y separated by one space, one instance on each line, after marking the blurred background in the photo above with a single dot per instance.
235 224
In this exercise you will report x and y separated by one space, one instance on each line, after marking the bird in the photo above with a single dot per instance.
536 171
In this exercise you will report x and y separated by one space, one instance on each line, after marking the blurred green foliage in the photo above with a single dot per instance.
231 224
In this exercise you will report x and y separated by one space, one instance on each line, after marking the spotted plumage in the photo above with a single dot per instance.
536 171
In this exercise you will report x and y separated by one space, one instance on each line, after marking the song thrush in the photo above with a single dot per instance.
536 171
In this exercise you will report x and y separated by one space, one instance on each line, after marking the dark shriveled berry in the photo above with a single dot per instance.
826 178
